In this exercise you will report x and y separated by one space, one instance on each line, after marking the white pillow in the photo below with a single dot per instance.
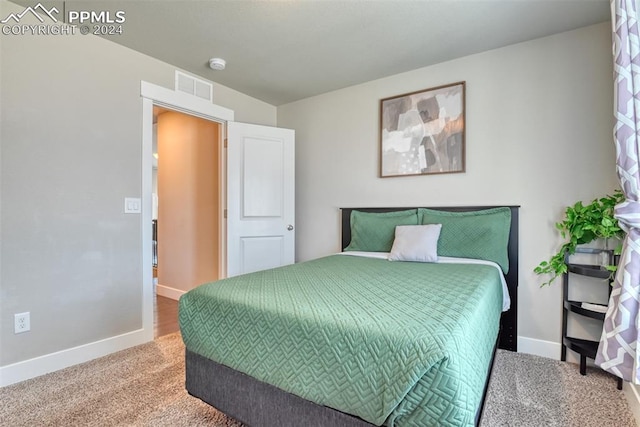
416 243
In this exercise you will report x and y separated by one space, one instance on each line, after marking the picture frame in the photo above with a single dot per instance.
423 132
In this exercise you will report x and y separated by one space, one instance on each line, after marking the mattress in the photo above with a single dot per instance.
393 343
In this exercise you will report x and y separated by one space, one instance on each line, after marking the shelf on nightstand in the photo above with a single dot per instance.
576 307
597 271
584 348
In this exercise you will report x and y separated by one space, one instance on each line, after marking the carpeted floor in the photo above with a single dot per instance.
532 391
144 386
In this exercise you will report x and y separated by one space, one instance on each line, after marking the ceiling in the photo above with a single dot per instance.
283 51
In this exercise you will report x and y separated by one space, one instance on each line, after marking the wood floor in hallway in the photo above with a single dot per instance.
165 316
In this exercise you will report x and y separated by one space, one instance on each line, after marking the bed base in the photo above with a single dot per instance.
258 404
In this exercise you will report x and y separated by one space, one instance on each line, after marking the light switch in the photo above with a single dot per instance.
132 205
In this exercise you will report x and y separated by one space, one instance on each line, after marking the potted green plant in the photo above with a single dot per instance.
583 224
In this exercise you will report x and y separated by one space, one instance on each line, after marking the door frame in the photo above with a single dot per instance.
153 95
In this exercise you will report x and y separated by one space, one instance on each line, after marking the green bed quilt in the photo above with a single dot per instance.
399 343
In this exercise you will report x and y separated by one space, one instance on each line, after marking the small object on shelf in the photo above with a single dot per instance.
576 307
585 348
599 308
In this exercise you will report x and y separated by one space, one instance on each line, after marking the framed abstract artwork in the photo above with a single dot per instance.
423 133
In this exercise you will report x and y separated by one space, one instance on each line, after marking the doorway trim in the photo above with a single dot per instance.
153 95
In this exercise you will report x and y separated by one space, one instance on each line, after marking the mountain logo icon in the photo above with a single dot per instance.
39 11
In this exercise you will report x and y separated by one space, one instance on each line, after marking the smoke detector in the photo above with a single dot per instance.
217 64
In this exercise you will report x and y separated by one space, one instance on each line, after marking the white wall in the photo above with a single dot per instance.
539 125
70 144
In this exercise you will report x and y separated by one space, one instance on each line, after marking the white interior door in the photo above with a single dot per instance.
260 197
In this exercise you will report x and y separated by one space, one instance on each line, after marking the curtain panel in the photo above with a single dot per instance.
618 349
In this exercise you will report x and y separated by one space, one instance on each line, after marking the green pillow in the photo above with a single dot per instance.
475 234
374 232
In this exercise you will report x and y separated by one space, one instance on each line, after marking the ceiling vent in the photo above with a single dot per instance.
193 86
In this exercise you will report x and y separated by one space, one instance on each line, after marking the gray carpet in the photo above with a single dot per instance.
144 386
532 391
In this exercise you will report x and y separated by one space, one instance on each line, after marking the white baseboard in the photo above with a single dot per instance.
537 347
632 393
41 365
166 291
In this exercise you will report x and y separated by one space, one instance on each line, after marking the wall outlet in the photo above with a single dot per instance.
21 322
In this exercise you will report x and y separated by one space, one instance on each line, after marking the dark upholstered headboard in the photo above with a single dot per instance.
509 320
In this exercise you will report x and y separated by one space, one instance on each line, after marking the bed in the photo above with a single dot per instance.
353 339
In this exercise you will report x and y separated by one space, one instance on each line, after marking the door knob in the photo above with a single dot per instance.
290 227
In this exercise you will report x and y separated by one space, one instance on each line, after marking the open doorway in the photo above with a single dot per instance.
156 96
186 196
244 225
